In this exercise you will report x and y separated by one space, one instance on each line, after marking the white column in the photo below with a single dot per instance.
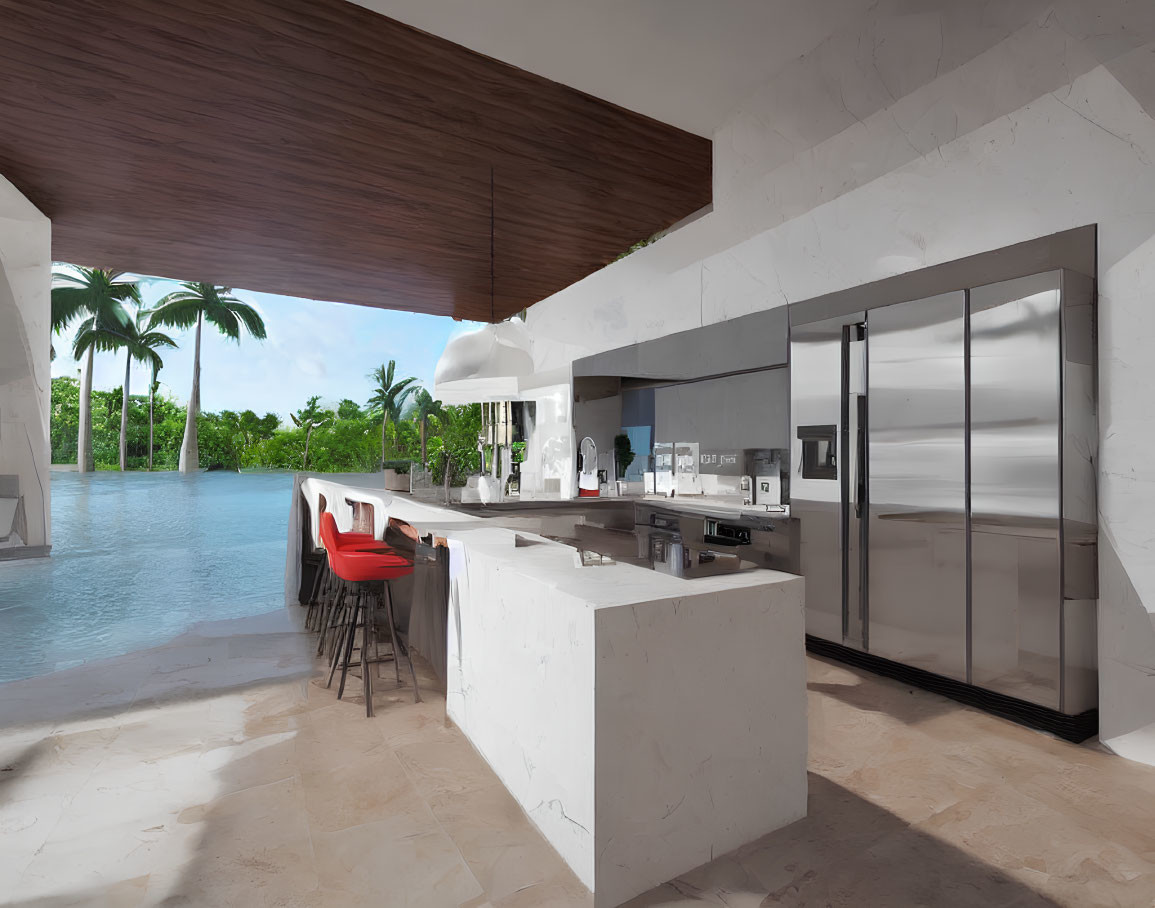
25 372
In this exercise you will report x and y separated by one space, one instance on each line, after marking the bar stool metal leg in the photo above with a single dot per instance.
398 648
328 615
367 630
348 658
343 640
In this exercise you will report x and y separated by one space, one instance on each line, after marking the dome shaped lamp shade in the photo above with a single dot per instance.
486 364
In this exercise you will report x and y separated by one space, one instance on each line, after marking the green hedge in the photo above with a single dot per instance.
349 442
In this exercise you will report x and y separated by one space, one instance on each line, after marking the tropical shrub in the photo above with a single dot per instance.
348 440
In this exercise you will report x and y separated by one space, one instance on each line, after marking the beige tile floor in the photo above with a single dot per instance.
206 786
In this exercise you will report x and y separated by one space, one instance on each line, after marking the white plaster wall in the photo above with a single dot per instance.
548 469
929 137
25 382
601 420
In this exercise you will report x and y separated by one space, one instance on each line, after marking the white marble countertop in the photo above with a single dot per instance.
533 556
553 562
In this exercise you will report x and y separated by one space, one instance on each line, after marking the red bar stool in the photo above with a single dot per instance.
367 576
326 603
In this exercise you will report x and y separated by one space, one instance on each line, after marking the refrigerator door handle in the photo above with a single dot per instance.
860 465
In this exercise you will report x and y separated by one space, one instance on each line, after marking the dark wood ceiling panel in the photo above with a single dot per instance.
315 148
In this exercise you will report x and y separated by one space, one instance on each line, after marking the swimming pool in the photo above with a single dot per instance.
137 558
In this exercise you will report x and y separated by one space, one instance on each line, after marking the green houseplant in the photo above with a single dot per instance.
623 454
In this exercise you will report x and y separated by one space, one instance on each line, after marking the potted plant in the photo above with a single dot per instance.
623 454
396 475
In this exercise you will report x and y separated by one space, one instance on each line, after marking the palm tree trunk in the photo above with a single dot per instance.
308 437
423 421
151 394
189 453
84 459
384 451
124 414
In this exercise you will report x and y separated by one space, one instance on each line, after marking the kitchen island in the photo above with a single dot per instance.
646 723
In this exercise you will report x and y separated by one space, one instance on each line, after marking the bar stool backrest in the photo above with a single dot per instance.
328 531
402 536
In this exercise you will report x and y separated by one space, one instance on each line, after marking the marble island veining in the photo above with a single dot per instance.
644 722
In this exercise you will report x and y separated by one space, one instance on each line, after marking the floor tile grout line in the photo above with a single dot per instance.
67 802
429 807
308 829
410 782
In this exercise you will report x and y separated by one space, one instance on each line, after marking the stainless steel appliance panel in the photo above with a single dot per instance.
1079 689
1016 564
1080 656
917 484
815 484
1079 417
854 460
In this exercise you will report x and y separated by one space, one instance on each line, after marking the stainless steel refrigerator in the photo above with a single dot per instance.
945 486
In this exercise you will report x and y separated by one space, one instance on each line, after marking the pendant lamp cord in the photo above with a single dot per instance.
491 270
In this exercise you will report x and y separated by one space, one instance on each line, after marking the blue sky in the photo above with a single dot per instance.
313 348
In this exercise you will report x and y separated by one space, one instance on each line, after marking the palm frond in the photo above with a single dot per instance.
154 339
175 310
67 303
97 338
224 320
251 319
217 305
78 290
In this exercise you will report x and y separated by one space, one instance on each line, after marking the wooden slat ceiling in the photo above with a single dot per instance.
317 149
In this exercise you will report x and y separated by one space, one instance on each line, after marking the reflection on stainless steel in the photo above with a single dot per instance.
1080 689
917 457
853 455
691 541
1030 521
1015 407
815 494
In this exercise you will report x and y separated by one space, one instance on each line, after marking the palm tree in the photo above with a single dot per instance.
141 345
194 304
388 399
309 419
424 407
99 295
153 387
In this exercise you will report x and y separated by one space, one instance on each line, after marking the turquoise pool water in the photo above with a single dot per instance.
137 558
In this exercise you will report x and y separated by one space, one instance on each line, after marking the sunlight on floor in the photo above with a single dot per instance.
215 787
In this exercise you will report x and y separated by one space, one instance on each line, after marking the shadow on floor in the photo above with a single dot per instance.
876 694
13 765
203 662
846 853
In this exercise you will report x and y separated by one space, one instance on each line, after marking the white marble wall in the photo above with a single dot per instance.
701 733
521 686
921 139
25 380
644 723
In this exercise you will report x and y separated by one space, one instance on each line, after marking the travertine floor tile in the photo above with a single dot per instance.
276 794
254 848
371 788
403 860
502 847
440 768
